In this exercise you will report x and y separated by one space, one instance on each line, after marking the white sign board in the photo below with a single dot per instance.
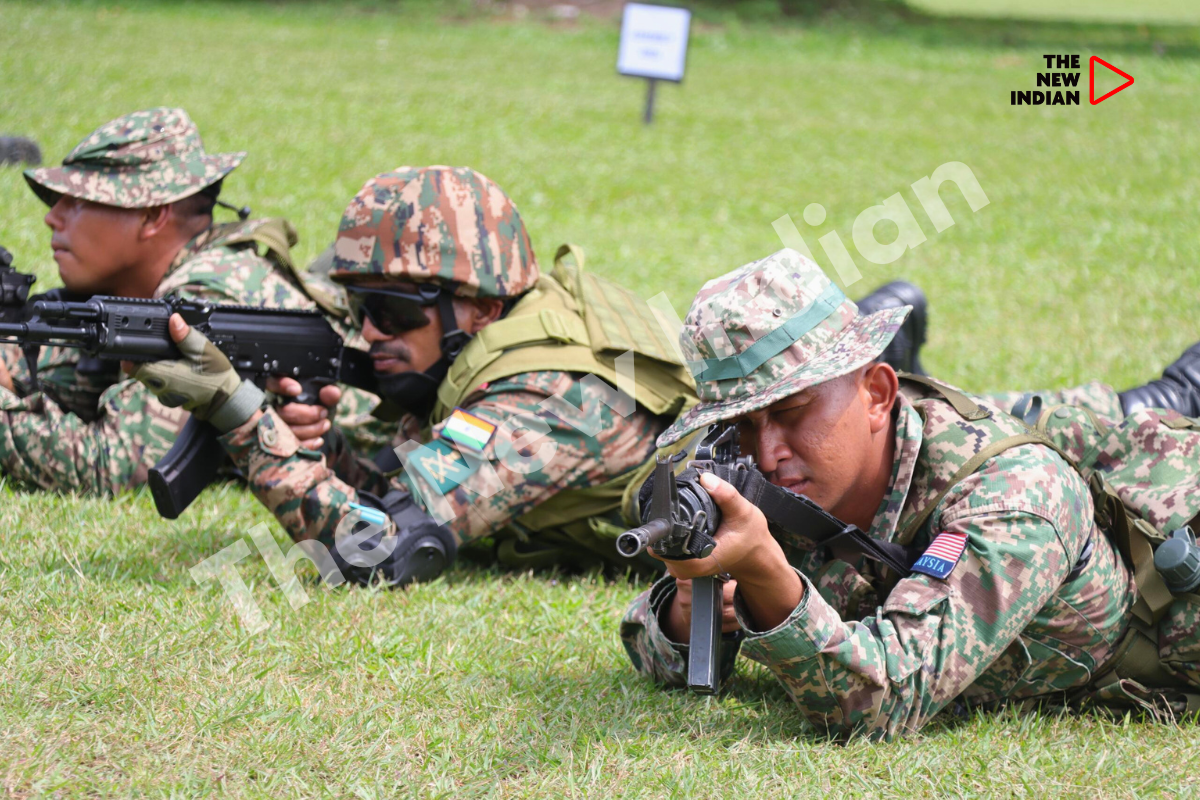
653 41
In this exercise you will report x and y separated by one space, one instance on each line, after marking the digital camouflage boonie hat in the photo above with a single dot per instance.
446 225
769 330
144 159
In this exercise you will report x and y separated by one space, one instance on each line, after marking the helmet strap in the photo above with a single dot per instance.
416 392
454 339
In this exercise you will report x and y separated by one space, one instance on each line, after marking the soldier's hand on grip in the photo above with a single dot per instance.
308 422
203 382
678 622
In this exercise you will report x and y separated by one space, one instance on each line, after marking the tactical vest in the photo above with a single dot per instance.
577 322
1161 649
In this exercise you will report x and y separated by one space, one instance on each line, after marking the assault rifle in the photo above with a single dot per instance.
259 342
680 521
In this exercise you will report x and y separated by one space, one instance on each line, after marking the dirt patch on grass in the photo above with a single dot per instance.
554 10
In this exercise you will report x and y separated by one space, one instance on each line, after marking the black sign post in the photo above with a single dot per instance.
654 42
649 115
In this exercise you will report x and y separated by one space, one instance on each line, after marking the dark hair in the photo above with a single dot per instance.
201 203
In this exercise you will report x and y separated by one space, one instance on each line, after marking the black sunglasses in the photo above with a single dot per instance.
392 311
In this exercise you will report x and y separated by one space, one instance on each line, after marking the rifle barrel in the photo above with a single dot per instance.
42 333
630 543
58 310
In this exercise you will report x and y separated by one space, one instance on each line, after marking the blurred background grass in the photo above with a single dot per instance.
121 675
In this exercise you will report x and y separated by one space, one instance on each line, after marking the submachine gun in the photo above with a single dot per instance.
680 521
259 342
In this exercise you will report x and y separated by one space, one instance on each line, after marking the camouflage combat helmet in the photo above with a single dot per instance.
147 158
769 330
445 225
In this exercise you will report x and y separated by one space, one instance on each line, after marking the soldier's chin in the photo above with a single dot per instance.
73 275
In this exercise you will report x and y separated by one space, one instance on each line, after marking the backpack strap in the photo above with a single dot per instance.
276 234
972 466
1133 536
965 406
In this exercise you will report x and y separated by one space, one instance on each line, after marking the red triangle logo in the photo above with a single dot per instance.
1092 80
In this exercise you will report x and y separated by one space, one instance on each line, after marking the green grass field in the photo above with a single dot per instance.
119 675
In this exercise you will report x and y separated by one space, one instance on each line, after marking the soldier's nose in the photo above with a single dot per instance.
371 333
54 217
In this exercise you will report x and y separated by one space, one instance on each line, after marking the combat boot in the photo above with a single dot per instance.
1178 388
903 353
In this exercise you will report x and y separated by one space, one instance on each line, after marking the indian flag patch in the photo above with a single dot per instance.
942 555
468 430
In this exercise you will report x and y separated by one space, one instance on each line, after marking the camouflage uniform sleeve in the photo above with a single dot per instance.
79 433
1025 524
534 453
552 432
43 445
650 650
350 466
652 653
296 485
57 376
14 361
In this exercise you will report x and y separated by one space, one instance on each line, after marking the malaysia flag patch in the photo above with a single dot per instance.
940 558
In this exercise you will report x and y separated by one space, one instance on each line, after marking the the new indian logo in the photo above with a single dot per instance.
1060 86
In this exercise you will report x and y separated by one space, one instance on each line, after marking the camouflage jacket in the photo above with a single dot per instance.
102 434
860 655
533 455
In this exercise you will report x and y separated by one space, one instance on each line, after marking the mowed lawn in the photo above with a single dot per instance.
120 675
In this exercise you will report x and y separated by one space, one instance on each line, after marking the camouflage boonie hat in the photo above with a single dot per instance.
144 159
769 330
440 225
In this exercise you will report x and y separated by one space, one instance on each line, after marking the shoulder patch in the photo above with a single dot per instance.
942 555
442 466
468 430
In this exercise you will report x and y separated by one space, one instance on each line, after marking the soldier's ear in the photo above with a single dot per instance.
879 388
154 221
475 313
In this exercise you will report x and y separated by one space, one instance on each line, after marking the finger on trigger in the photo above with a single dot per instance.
305 431
298 414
